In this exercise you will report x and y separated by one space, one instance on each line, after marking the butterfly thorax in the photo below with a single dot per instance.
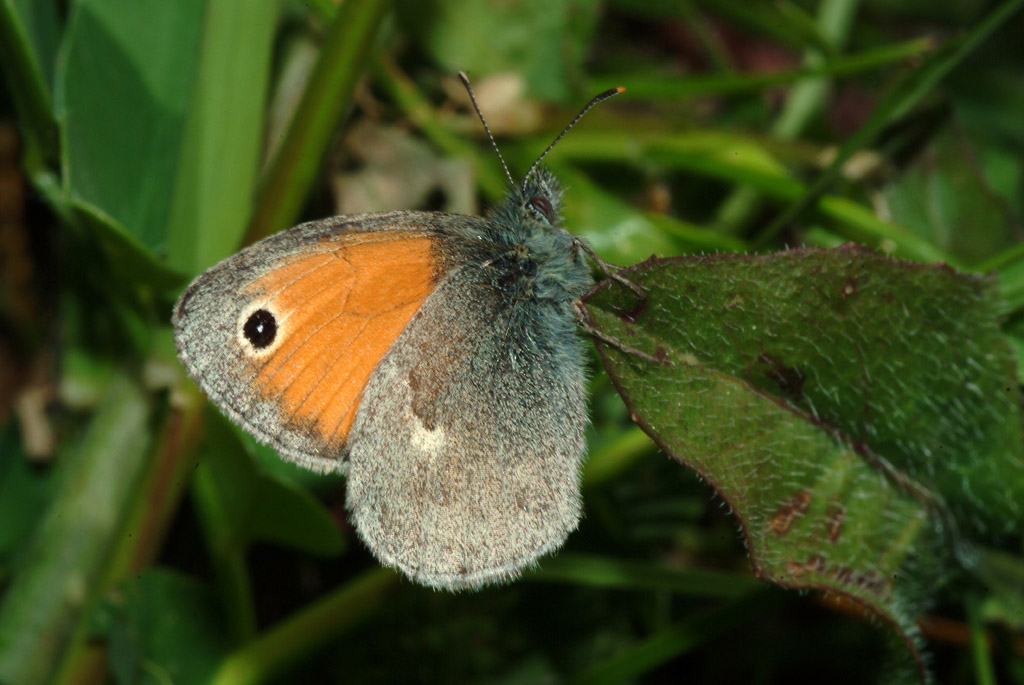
541 261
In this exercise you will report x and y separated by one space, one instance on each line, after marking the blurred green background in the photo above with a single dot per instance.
145 539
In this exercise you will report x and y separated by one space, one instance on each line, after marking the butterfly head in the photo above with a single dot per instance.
530 210
540 198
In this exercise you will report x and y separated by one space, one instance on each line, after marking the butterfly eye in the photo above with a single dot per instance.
260 329
542 205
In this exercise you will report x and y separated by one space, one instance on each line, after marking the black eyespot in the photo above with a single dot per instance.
542 205
260 329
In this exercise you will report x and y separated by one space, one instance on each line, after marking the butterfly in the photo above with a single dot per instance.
432 357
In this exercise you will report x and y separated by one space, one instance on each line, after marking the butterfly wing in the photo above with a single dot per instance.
466 450
284 335
363 338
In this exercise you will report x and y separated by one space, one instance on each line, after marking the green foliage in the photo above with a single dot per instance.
859 415
794 380
65 559
161 627
545 42
140 53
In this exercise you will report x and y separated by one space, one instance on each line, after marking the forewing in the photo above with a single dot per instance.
339 292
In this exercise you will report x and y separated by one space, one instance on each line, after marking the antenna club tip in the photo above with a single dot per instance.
619 89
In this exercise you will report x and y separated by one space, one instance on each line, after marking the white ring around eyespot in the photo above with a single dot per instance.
247 347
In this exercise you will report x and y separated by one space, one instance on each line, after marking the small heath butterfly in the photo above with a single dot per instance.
432 357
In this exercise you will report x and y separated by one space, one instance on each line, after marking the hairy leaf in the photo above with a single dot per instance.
858 413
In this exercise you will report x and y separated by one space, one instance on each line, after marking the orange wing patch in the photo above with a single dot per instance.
339 306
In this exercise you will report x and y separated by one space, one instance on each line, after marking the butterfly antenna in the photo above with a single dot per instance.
590 105
494 144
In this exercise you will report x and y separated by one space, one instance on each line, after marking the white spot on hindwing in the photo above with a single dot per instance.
429 441
425 435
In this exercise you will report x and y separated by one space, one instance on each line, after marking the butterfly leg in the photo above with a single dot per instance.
610 270
581 320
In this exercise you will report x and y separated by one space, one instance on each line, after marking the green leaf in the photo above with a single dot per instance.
323 485
842 403
123 86
24 493
943 193
28 44
238 504
222 141
257 507
161 627
289 516
99 473
543 41
41 24
130 265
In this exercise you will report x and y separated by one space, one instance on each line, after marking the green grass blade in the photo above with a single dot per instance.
325 101
803 102
770 20
674 87
222 141
592 571
24 76
984 673
685 636
900 98
323 9
313 627
614 459
154 504
745 162
47 598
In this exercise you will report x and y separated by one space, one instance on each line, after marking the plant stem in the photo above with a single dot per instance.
310 629
325 102
984 674
227 556
615 458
